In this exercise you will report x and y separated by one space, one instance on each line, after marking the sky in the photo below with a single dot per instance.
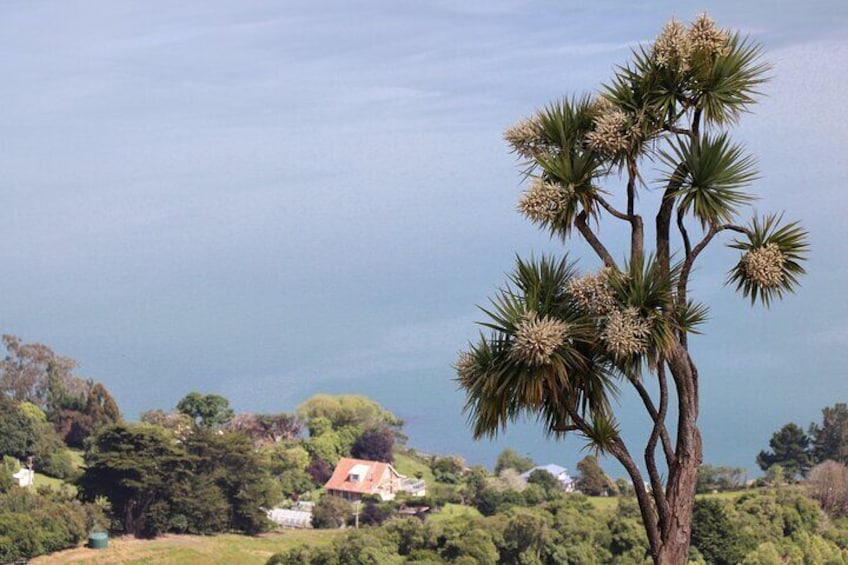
271 199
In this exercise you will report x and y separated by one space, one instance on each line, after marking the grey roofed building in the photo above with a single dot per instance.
560 473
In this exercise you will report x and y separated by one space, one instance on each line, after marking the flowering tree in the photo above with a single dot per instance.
561 343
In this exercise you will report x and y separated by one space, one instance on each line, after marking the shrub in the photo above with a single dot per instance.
331 512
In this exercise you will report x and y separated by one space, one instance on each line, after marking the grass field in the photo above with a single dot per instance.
408 466
55 484
190 550
610 503
450 511
604 503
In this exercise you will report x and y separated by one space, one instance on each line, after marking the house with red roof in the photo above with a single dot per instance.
354 478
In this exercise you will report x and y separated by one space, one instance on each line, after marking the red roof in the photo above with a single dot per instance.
370 475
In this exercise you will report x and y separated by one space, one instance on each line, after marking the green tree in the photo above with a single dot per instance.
830 440
510 459
375 445
18 432
711 478
176 423
101 407
547 481
266 429
331 512
240 474
207 410
526 538
133 466
34 373
713 533
591 479
25 432
347 410
447 469
561 344
790 448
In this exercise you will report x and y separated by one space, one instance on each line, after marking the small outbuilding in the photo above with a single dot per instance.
24 478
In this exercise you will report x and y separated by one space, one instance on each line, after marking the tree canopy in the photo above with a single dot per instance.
830 439
207 410
345 410
510 459
790 448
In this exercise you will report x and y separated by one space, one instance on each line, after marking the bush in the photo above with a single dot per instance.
60 464
33 524
447 469
331 512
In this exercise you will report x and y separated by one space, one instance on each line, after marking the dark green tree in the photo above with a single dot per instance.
239 473
547 481
591 479
510 459
331 512
17 431
25 432
563 344
133 466
375 445
208 410
790 448
526 538
830 440
714 534
447 469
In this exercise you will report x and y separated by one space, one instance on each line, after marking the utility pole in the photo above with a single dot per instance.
356 514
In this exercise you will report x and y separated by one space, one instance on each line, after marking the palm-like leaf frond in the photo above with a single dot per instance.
645 293
726 87
711 173
541 357
565 123
688 316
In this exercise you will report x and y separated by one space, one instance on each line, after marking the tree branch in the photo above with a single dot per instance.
692 255
656 481
732 227
663 222
687 245
618 449
649 514
637 232
609 208
677 130
563 429
668 449
592 240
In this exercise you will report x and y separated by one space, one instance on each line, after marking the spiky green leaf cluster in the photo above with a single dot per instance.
579 375
711 173
790 242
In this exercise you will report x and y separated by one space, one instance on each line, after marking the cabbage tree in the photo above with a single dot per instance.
561 342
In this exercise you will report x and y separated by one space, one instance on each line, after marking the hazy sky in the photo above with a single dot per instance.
267 199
